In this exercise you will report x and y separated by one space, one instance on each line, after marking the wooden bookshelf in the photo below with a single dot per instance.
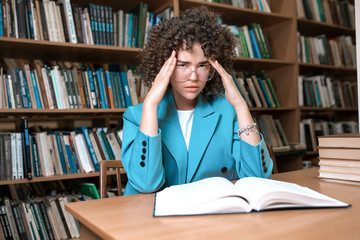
314 28
281 25
58 177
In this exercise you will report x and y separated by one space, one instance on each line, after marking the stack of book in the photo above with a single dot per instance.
70 21
251 41
325 91
63 85
334 51
257 89
340 157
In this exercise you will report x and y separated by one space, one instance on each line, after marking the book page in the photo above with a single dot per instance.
267 193
208 196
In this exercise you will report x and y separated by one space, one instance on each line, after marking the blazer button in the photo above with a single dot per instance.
262 151
142 164
263 164
144 150
262 157
144 143
142 157
224 170
265 169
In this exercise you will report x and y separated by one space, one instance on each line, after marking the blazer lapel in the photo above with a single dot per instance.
172 135
204 124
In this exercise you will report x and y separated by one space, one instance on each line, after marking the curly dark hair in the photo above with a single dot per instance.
195 25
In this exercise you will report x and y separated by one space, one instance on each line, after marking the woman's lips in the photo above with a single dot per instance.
192 88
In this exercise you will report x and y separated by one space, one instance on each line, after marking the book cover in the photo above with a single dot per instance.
89 189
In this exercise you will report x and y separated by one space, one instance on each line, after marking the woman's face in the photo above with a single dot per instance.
186 90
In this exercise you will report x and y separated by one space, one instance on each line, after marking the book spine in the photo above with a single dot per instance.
109 89
1 21
5 223
61 152
126 89
92 89
27 158
12 166
36 167
254 44
101 89
23 89
20 226
46 220
36 90
90 147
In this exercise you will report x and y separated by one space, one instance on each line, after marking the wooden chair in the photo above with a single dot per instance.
104 166
272 156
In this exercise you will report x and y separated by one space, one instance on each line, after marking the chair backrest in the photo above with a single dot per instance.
272 156
104 166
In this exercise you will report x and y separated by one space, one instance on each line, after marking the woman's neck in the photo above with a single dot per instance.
182 103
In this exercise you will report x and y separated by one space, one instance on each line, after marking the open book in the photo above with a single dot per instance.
218 195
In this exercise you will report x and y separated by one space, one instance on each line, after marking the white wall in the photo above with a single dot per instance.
357 19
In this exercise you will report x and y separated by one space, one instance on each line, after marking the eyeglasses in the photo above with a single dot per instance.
204 72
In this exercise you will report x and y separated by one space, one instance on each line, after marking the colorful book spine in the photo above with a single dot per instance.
1 21
69 20
109 89
35 157
61 152
101 89
26 149
254 44
24 90
92 89
90 147
36 90
126 89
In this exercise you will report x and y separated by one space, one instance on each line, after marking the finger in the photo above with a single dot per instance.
170 60
170 65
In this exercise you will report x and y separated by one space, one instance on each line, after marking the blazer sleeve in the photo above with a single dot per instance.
141 155
251 160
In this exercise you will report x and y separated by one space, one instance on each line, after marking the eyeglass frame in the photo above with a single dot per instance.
195 70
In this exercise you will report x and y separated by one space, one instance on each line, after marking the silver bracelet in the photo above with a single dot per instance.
249 128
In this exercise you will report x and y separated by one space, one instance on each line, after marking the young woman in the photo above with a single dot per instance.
193 123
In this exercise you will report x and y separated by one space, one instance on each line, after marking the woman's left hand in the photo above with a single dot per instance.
231 91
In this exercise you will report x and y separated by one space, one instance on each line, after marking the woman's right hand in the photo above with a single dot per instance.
149 121
161 82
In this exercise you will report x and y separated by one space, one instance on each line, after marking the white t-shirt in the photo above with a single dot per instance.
186 119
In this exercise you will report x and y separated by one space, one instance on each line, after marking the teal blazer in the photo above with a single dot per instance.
153 163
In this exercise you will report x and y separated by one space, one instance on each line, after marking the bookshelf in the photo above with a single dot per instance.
283 68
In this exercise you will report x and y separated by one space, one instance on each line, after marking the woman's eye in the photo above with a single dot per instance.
181 66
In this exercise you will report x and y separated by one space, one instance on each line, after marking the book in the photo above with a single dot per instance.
218 195
89 189
346 140
340 176
340 153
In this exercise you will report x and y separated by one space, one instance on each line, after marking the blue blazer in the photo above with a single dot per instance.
153 163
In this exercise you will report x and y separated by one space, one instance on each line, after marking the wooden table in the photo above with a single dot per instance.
130 217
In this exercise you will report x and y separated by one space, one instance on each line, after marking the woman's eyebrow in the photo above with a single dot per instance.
186 62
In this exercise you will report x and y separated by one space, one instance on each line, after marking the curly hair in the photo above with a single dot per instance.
195 25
